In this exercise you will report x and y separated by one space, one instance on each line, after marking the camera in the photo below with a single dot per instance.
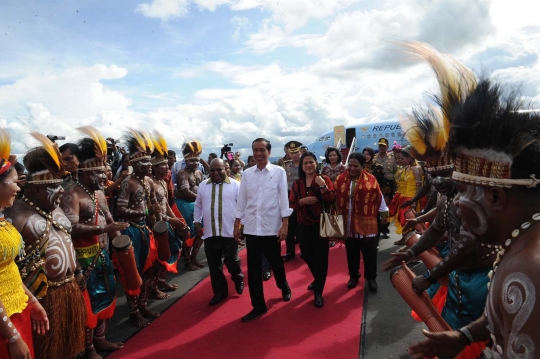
55 138
225 149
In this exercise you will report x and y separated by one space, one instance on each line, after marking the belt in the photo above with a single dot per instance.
62 281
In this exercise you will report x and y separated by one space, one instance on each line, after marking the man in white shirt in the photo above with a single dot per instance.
215 205
263 208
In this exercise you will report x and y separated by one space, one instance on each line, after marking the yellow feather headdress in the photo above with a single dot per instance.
192 149
428 127
49 157
139 143
100 142
5 150
159 155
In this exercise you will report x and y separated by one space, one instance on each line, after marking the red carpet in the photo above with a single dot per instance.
295 329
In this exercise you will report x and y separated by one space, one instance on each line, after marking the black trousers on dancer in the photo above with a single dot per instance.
315 253
292 233
214 247
270 246
368 247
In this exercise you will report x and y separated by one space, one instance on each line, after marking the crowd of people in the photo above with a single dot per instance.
463 197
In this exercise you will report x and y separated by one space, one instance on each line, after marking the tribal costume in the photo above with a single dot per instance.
428 130
188 184
53 283
100 293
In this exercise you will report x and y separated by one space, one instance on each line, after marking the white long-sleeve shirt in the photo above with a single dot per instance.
215 205
263 200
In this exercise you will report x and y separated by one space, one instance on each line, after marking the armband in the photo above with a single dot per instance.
467 334
147 212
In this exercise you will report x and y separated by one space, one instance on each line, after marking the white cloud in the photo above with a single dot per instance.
241 25
164 9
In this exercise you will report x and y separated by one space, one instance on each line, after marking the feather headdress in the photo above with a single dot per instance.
493 142
159 155
44 164
192 149
427 128
92 150
140 145
5 151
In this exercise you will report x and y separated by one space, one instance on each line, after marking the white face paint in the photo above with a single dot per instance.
473 209
53 196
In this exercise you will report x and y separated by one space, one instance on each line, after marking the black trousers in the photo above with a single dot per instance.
214 247
368 247
265 265
270 246
292 233
315 253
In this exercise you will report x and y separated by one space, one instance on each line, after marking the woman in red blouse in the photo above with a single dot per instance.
309 192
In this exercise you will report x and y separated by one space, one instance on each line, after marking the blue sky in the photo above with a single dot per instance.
233 70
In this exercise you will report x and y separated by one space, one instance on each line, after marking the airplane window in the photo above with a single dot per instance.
380 135
393 134
387 135
363 137
399 134
369 136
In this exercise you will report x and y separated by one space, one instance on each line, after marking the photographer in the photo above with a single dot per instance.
114 154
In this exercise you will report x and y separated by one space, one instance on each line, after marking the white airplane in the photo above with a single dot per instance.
358 136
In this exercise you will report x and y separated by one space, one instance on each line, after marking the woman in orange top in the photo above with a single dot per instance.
359 200
19 309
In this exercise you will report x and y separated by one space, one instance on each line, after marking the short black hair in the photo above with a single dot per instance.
327 154
73 148
261 139
301 173
19 167
359 157
212 154
171 153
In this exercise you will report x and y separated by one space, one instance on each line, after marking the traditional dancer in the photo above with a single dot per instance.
177 228
49 268
19 309
85 205
137 205
466 262
496 151
189 179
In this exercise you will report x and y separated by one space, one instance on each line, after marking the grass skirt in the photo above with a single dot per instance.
67 317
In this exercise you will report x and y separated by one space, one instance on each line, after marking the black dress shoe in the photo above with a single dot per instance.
352 283
239 286
372 285
319 301
385 236
254 314
267 275
288 256
217 298
286 294
310 287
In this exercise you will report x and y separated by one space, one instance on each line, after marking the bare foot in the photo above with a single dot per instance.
103 345
198 264
147 312
91 353
191 267
137 320
167 287
157 294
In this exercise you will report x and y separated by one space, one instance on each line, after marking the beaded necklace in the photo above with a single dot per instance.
35 255
515 233
93 198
